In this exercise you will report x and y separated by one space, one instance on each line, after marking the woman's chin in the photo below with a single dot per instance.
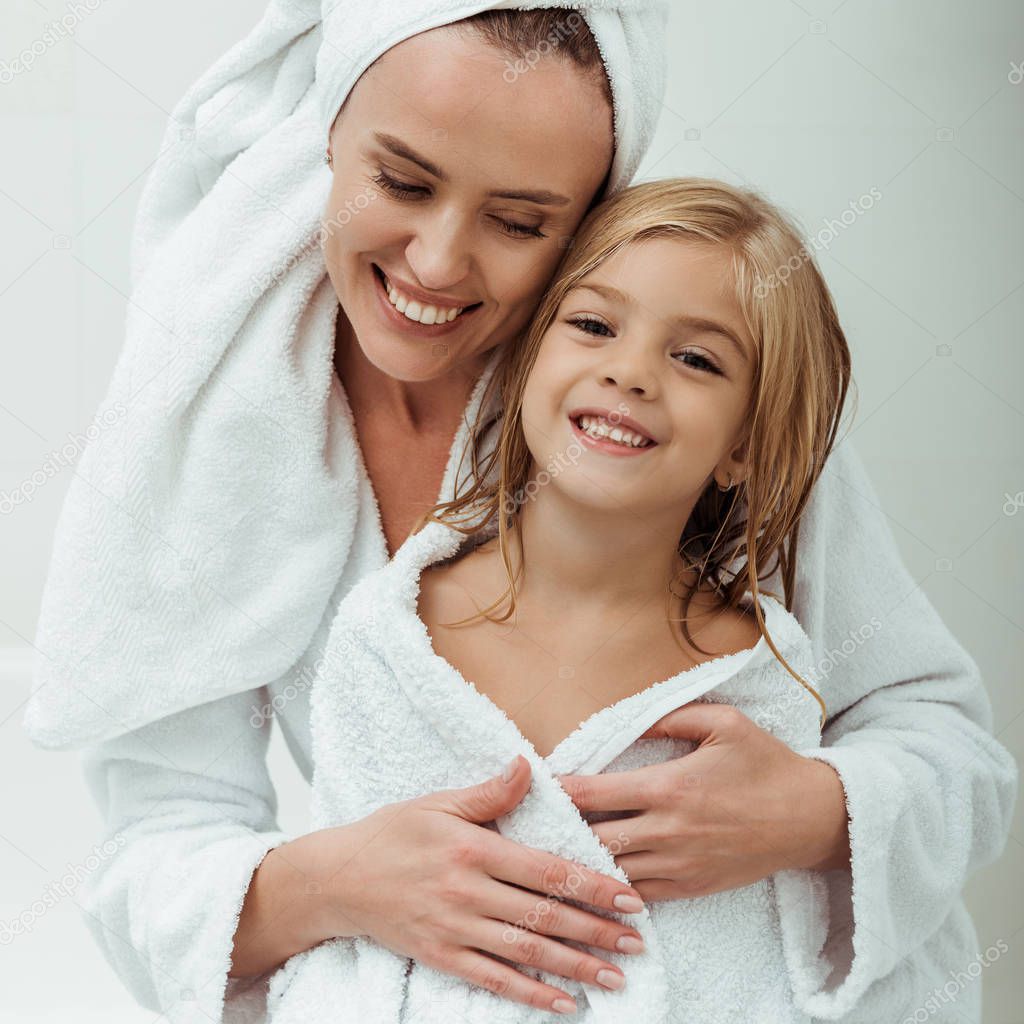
412 362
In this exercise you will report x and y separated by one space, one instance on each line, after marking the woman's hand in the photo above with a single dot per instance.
738 808
425 879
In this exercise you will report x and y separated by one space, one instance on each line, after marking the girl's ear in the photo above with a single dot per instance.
734 465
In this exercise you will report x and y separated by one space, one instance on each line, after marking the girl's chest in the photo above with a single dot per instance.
548 677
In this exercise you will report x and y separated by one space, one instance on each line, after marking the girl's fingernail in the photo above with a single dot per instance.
563 1006
610 979
628 904
510 769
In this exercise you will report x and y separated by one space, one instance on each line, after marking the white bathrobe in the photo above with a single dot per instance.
929 792
380 680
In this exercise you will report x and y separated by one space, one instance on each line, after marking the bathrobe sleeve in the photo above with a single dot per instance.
189 803
929 790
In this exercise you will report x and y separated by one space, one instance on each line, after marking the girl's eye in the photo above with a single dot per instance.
579 323
402 191
584 323
700 363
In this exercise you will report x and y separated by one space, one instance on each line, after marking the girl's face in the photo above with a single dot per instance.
652 341
461 187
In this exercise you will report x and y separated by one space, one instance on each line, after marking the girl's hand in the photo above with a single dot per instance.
738 808
425 879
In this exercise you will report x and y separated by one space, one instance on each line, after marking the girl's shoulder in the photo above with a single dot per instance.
722 627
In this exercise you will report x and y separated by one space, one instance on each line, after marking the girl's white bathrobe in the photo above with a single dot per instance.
751 954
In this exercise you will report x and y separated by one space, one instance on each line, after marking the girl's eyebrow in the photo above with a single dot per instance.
699 323
395 145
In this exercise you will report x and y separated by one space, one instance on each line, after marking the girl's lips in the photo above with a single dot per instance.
605 445
404 323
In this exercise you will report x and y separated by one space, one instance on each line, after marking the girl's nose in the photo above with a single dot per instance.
631 374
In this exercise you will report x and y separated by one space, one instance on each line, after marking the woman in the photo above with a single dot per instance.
231 539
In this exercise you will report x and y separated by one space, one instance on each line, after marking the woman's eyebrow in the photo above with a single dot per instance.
395 145
700 323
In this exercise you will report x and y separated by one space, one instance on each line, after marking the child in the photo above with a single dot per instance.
663 423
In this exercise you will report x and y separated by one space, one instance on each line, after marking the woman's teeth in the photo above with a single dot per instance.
413 310
603 430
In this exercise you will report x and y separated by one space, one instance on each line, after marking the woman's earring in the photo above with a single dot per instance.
327 159
728 487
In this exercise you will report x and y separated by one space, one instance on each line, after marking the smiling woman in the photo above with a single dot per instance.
464 220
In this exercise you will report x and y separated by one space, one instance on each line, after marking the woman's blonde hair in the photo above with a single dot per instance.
800 382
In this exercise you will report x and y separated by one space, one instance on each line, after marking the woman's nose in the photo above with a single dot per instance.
440 255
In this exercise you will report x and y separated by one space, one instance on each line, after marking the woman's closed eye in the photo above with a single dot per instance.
701 362
400 190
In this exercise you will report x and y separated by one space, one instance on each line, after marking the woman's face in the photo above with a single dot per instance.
644 341
463 189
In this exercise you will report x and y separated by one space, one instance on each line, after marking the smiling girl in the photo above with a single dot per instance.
691 417
559 613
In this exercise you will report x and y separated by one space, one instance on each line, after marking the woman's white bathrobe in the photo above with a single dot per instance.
929 791
380 681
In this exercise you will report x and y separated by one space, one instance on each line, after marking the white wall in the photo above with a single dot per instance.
816 104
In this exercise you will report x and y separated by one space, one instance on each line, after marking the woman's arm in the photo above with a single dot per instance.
191 796
929 791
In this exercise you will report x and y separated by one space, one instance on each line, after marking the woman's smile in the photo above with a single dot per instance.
399 318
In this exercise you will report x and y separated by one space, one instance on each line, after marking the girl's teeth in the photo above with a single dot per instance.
598 428
416 311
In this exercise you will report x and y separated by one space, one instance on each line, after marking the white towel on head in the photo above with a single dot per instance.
203 535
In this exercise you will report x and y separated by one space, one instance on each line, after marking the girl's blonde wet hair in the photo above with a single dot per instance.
800 382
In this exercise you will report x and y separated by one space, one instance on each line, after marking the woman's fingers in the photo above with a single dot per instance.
533 950
502 980
546 916
543 872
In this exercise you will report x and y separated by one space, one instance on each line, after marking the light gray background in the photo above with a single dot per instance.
813 103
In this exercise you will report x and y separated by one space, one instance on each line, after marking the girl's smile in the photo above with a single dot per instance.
607 431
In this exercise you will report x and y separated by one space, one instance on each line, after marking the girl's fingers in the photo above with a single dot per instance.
549 917
543 872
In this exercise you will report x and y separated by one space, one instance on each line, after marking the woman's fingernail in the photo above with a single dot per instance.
628 904
510 769
630 944
610 979
563 1006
